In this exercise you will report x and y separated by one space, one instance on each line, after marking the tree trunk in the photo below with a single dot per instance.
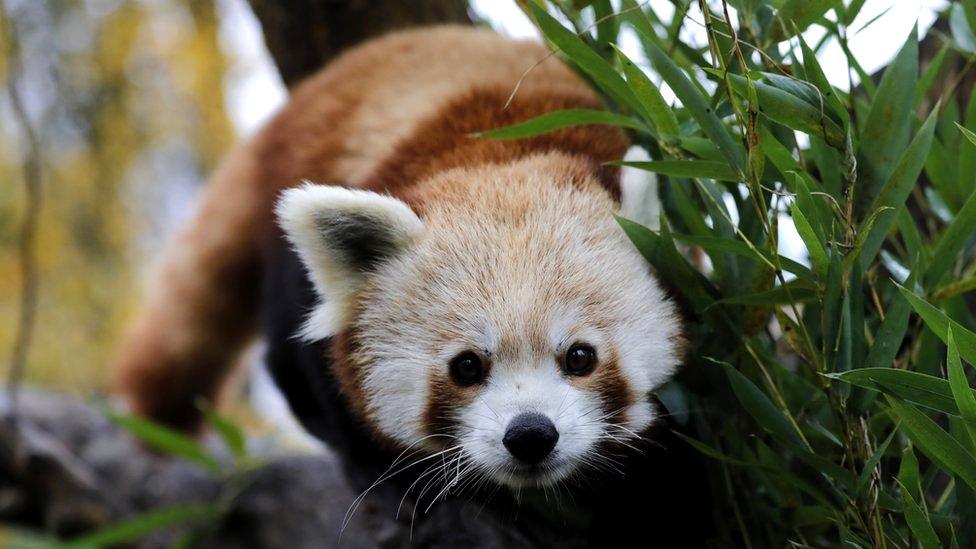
302 35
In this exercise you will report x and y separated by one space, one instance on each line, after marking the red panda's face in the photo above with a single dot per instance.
514 328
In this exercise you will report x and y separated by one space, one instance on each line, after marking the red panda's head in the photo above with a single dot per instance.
511 324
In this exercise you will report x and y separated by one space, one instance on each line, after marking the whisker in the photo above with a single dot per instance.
354 506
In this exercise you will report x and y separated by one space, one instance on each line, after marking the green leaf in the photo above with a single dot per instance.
230 433
965 399
952 242
585 58
918 522
818 255
695 103
166 440
558 120
922 389
713 453
13 537
966 132
918 252
737 247
791 292
816 75
890 334
915 515
872 462
654 107
934 442
795 16
702 169
758 405
659 250
888 123
908 472
932 72
955 288
897 188
644 239
778 154
938 322
792 111
141 526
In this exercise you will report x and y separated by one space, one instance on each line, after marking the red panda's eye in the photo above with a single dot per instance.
580 360
466 369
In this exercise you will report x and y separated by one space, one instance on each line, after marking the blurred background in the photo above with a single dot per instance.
133 104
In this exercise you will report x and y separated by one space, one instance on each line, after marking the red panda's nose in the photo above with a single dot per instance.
530 437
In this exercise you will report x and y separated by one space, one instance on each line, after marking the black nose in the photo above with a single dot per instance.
530 437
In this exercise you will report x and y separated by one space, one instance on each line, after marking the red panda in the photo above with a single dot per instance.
473 295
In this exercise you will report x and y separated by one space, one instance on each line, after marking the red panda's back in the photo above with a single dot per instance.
341 123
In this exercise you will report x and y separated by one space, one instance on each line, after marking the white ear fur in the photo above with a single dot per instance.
340 234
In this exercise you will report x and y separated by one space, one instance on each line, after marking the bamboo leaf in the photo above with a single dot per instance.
558 120
654 107
918 522
230 433
141 526
890 334
780 295
896 190
740 248
932 72
922 389
816 75
952 242
792 111
886 130
795 16
701 169
713 453
966 132
758 405
166 440
818 255
938 322
934 442
872 462
645 240
915 515
695 103
961 392
584 57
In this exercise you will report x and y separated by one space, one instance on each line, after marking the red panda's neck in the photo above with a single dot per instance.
445 141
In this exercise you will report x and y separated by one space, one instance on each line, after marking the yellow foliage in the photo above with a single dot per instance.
106 112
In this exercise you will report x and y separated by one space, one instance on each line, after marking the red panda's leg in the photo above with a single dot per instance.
201 307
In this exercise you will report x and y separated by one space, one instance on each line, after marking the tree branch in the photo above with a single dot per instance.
302 35
28 231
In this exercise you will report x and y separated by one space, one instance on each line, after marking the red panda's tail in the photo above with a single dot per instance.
201 307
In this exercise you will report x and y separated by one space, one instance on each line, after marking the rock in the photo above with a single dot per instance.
66 469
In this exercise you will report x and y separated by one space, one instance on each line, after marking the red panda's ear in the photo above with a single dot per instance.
340 235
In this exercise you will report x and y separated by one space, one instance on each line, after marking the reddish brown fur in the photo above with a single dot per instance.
203 308
446 140
446 398
608 381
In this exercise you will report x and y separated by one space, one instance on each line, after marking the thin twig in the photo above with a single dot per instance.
521 79
28 230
